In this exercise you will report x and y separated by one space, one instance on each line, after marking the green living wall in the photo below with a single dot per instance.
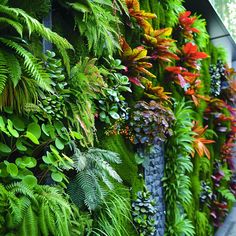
121 74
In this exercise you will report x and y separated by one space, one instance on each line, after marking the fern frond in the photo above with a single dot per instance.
19 188
29 224
34 26
42 220
14 68
31 64
101 29
105 166
105 154
3 71
85 190
50 221
16 25
227 194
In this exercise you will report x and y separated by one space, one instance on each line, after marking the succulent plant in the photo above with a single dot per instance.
150 122
113 106
53 107
218 78
143 211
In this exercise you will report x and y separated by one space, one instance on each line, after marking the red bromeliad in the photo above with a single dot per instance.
190 55
181 75
186 24
188 81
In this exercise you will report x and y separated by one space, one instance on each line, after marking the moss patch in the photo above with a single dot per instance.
128 169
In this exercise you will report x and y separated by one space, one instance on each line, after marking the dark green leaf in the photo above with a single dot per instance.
34 129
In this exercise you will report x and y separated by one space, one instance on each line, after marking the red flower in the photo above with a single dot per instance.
181 75
186 24
190 55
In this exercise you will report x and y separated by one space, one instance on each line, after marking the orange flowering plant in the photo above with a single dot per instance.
140 15
200 141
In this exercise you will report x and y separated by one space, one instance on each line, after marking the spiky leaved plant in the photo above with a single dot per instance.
178 164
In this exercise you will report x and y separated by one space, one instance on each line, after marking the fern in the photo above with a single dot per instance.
178 196
41 210
97 24
169 11
181 226
202 224
16 25
86 84
31 64
13 66
94 173
227 194
34 26
3 71
201 39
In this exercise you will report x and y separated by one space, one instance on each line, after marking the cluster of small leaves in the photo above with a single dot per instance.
150 122
55 70
206 193
143 212
113 105
218 78
53 107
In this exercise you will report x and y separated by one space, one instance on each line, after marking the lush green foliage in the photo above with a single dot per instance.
94 171
143 211
35 210
113 105
61 111
114 220
178 164
96 22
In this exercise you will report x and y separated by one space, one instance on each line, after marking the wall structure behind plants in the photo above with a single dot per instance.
78 122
